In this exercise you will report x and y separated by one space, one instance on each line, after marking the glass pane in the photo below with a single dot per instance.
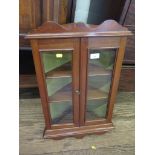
58 73
61 112
96 109
100 68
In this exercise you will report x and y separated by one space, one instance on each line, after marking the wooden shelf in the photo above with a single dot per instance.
64 71
96 94
95 70
58 74
65 94
27 81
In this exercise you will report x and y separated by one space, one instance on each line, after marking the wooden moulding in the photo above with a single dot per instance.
78 132
51 29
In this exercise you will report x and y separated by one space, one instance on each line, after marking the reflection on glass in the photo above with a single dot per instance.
96 109
100 67
58 73
61 112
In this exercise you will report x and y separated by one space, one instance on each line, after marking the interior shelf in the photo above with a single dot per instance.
94 93
58 74
95 70
65 94
65 71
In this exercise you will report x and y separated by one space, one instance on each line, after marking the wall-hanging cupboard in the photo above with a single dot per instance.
78 68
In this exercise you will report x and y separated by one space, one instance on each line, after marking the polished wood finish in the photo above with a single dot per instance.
64 11
33 13
29 18
41 83
76 131
108 28
72 45
48 7
56 10
75 78
51 44
29 15
100 42
78 38
83 75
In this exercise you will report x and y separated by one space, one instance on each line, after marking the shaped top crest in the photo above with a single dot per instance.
51 29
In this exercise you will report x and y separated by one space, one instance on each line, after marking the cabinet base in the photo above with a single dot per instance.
77 132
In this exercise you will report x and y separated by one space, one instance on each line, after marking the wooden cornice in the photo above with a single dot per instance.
51 29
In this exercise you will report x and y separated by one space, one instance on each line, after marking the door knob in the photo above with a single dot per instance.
77 92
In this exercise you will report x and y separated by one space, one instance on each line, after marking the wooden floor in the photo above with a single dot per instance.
119 141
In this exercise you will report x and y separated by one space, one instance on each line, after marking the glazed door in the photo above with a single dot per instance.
100 59
60 63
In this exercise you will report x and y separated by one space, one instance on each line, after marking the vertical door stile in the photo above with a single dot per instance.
99 67
83 78
62 81
76 80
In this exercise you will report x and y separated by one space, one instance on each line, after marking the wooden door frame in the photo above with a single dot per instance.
74 47
107 35
41 83
118 44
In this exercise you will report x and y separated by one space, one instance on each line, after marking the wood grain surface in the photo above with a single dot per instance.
119 141
52 29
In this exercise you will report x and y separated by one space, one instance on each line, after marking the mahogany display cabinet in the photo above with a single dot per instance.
78 69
